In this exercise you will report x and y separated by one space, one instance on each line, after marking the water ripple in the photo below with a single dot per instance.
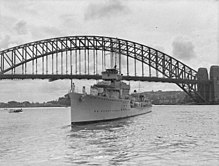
170 135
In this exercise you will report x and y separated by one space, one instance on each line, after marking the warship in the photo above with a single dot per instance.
107 100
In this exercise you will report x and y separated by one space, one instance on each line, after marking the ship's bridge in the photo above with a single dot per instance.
111 74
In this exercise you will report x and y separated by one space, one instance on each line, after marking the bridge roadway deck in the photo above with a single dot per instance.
53 77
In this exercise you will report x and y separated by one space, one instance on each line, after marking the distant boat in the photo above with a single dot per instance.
15 110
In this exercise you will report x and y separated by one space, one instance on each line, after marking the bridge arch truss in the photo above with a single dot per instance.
89 55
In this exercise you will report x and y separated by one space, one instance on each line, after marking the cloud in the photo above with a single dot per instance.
7 42
51 30
160 48
21 27
183 48
107 9
4 42
43 32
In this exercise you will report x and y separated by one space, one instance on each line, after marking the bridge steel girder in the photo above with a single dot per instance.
94 77
168 66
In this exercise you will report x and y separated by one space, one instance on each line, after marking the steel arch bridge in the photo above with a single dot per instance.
84 57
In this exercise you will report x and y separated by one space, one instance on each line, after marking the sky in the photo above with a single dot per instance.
184 29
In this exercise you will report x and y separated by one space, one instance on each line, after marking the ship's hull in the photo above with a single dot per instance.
89 108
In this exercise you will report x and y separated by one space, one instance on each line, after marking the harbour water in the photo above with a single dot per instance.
169 135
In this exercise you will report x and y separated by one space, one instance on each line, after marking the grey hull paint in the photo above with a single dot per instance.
89 108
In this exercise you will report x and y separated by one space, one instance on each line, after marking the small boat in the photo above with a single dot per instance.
15 110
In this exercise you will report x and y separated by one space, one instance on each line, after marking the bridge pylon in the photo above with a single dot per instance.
208 85
203 86
214 87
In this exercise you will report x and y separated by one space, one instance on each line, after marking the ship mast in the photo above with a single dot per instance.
139 86
71 77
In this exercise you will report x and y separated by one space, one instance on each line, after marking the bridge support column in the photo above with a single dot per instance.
214 88
203 86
